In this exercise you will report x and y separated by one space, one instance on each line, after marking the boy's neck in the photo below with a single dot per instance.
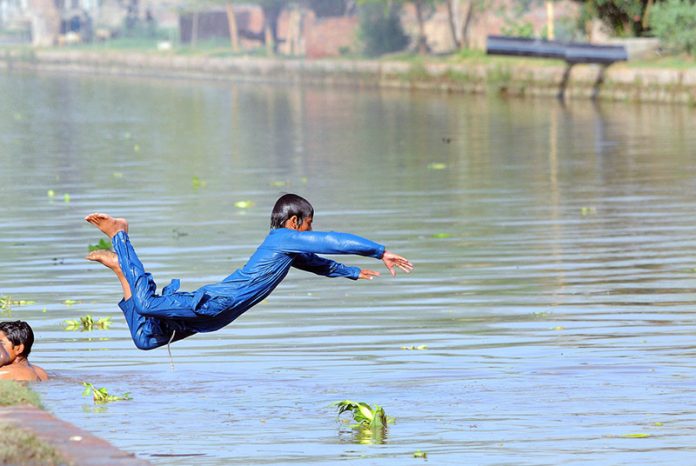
20 361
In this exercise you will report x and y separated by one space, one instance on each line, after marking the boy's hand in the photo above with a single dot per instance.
367 274
392 260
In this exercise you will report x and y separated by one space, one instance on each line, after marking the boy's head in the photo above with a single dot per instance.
18 333
288 206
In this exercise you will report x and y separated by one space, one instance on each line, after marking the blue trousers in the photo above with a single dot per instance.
153 320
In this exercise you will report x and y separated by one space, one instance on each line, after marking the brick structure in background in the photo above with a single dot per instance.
330 37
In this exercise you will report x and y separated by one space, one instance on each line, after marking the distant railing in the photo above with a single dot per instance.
571 52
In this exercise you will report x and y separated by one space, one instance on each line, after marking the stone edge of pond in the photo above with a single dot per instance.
74 444
619 81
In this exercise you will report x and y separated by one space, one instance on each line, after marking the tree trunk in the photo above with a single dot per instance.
45 22
646 15
194 29
268 39
467 24
271 15
422 42
232 22
452 26
550 33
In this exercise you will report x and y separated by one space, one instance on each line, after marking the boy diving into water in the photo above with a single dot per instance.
155 320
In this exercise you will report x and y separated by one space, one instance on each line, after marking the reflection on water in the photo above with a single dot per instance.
554 252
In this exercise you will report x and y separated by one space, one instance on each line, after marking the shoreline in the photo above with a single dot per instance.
511 77
77 446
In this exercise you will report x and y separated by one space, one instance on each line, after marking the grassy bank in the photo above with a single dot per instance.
663 79
18 446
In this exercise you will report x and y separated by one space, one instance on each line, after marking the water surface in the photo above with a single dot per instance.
554 251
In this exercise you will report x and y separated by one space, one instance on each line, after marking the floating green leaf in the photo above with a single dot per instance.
101 395
585 211
198 183
420 454
437 166
413 347
51 193
638 435
87 324
102 245
69 302
244 204
441 235
66 198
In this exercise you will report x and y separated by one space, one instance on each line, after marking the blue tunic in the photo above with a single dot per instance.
156 319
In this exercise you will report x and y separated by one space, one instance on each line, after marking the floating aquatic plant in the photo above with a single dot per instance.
198 183
414 347
6 303
585 211
244 204
87 324
437 166
441 235
420 454
101 395
101 245
370 421
364 415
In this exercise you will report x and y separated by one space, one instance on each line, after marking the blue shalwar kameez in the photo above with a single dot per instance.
154 320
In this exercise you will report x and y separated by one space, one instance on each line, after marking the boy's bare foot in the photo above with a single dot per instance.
108 258
107 224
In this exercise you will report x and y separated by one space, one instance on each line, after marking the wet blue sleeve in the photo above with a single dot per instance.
331 242
326 267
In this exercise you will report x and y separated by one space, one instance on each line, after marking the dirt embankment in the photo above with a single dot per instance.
511 77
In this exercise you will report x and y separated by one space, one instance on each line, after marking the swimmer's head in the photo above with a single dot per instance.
19 333
289 206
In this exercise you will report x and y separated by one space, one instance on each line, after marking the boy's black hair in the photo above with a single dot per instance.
287 206
19 332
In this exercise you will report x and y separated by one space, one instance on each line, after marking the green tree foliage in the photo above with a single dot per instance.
674 23
624 17
380 27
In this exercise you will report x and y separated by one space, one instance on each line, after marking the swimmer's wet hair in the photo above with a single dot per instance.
287 206
19 332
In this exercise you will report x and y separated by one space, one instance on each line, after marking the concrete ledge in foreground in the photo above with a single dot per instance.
76 445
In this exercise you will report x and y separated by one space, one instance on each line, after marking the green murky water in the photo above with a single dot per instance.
554 250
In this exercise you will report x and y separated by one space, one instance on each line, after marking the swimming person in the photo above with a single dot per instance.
16 340
155 320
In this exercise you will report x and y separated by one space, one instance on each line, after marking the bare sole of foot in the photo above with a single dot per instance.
107 224
107 258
